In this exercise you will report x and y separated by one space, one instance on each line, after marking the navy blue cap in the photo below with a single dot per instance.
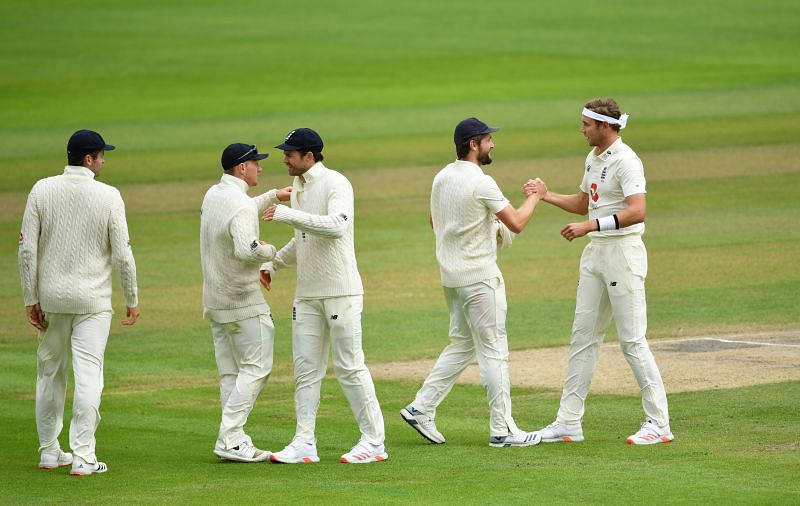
84 142
302 139
238 153
469 128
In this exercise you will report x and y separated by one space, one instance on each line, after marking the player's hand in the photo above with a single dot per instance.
575 230
535 186
35 316
285 194
266 279
269 213
132 314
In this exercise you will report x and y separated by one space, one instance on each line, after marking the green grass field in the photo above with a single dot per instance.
713 90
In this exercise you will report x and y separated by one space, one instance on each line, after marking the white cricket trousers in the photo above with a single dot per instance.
86 336
611 284
243 351
477 327
320 325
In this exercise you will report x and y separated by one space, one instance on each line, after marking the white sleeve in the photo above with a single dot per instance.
246 245
265 200
334 224
584 187
286 257
488 193
630 174
29 251
121 252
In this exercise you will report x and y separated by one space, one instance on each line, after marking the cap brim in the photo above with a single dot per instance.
491 129
259 156
289 147
109 147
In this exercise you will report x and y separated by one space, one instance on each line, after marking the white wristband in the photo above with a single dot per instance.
608 223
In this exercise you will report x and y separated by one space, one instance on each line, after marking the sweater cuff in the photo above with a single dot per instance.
283 214
272 196
132 301
266 251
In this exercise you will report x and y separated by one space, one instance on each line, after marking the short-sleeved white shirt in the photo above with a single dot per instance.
609 178
487 192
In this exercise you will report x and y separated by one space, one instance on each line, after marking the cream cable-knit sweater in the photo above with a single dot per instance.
464 201
323 244
73 232
230 251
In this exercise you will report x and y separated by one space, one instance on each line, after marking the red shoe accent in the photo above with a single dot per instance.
379 458
629 441
308 460
567 439
665 439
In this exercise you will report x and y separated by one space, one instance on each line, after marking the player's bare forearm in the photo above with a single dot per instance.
517 219
635 212
577 203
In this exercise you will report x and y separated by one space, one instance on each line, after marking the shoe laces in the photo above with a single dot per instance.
648 426
247 449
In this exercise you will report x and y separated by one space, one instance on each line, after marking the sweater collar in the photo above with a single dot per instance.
314 173
234 181
73 170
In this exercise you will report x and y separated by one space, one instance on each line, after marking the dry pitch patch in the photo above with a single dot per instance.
687 364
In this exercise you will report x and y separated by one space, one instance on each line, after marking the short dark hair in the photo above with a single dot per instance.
606 107
318 157
462 150
77 160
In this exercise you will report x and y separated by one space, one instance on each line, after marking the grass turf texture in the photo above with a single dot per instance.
713 94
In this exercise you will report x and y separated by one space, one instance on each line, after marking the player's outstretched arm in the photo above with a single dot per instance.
577 203
516 219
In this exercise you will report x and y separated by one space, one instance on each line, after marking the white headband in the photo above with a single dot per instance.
622 121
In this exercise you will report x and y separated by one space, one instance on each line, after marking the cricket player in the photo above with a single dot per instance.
326 314
241 322
613 269
73 233
465 205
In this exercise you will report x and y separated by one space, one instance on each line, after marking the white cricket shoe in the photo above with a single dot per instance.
54 458
422 423
363 453
518 439
650 433
82 468
557 432
244 452
297 452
